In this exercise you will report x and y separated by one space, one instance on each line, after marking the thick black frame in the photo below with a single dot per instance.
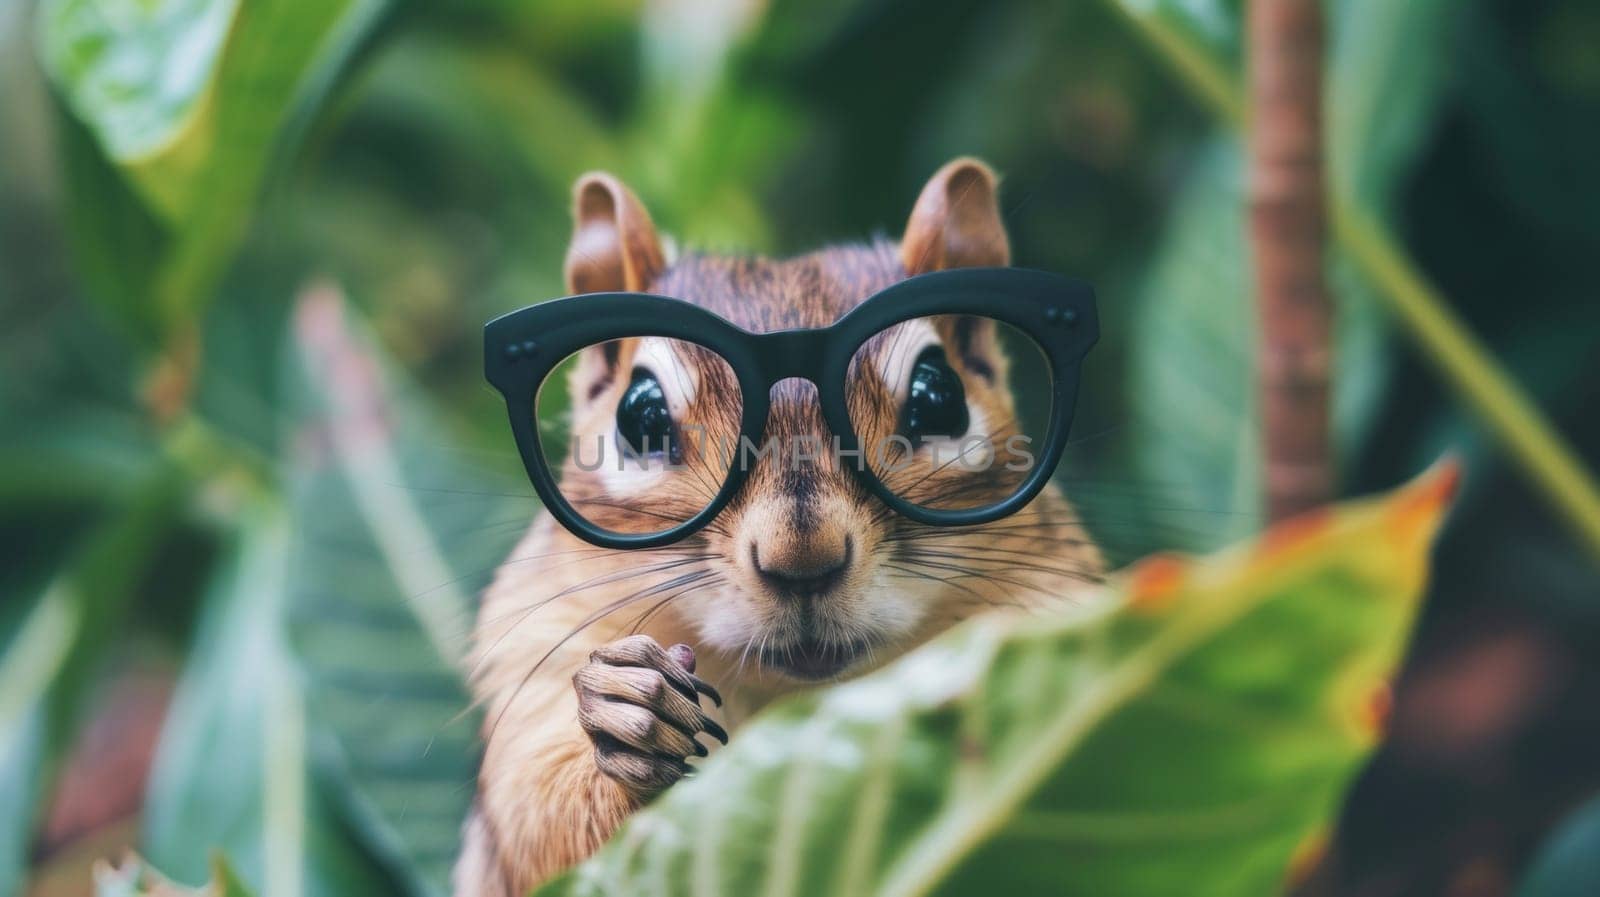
522 347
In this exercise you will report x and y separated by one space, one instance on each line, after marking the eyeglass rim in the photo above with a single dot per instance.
522 347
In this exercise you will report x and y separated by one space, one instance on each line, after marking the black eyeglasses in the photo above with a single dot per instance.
948 396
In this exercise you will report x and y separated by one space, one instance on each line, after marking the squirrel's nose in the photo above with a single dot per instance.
802 571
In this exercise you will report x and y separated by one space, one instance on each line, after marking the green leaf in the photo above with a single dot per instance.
134 878
1194 333
389 542
1541 454
50 659
1191 378
184 106
1201 40
1568 865
1188 735
81 456
35 656
1389 73
137 71
1192 365
233 771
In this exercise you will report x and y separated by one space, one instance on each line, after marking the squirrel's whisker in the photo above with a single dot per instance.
590 620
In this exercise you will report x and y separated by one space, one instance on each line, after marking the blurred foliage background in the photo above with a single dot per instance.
250 478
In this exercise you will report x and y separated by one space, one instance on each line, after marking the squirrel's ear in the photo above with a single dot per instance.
956 222
614 244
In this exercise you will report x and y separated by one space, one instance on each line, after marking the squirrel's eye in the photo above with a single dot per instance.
643 422
936 404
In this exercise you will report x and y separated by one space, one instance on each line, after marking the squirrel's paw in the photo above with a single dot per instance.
640 704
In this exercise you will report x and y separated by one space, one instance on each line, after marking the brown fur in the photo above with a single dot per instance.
555 783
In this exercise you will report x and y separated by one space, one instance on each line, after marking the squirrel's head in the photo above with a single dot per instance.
813 570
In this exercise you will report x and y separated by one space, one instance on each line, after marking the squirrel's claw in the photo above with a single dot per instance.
640 705
704 687
711 728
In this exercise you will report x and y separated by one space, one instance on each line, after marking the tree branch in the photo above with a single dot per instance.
1288 229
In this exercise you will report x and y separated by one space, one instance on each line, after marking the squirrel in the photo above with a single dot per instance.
592 707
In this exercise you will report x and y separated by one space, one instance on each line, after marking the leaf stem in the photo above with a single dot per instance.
1538 451
1508 412
203 452
1198 69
